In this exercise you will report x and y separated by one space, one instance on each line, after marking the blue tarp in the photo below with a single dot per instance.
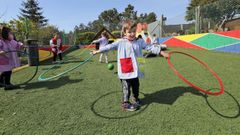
161 40
232 48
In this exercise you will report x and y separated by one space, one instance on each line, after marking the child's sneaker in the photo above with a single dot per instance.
137 104
128 107
11 87
61 62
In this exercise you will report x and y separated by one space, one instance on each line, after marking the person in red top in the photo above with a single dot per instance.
56 47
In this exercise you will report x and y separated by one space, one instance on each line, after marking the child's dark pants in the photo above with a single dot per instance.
5 77
126 85
55 56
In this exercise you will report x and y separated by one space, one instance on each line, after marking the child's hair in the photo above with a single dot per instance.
56 34
5 32
128 25
139 37
105 34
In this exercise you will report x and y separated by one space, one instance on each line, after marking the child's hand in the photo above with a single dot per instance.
93 42
94 52
20 43
53 45
2 53
164 54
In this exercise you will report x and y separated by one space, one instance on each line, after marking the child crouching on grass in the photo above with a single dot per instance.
129 49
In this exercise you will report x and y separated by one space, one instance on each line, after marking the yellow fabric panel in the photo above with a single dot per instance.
189 38
20 68
44 55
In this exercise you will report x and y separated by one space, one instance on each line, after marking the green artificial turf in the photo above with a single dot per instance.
88 100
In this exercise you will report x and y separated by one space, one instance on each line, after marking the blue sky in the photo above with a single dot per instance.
65 14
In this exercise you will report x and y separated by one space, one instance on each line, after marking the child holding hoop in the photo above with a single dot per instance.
8 58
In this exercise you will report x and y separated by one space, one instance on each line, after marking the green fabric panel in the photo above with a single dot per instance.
211 41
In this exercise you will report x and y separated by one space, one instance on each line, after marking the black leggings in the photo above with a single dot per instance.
55 56
126 85
5 77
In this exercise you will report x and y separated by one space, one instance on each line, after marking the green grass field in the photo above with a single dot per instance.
87 100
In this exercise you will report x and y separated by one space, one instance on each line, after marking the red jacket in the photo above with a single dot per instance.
54 41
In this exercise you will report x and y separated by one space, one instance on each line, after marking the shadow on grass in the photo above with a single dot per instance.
169 96
112 117
166 96
54 84
113 61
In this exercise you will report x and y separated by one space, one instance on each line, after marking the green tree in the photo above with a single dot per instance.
192 5
46 33
97 25
129 13
82 27
151 17
225 10
110 19
85 38
217 11
142 17
23 28
33 12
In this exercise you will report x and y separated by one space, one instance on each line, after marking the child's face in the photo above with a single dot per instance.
131 34
10 36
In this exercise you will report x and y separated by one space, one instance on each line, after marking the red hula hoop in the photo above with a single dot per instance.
191 84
